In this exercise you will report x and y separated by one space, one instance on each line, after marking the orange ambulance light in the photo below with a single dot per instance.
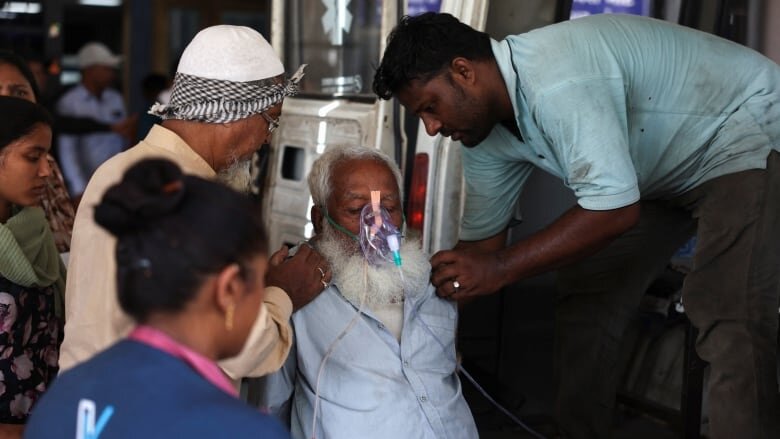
416 211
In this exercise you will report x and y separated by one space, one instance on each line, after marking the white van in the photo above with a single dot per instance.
342 43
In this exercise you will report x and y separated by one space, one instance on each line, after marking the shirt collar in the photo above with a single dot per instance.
502 52
205 367
87 96
163 138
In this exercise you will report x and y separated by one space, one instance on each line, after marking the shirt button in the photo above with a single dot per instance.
380 326
423 398
406 363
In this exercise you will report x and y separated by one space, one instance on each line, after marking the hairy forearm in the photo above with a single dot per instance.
493 243
476 268
576 234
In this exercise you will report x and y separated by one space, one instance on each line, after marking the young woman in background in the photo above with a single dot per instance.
32 276
16 80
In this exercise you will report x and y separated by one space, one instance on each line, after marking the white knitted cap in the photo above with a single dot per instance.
230 53
227 73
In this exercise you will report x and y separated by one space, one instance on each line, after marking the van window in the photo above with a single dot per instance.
340 43
293 159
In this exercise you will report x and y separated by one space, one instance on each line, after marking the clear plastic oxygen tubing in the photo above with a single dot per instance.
395 247
332 347
375 208
468 376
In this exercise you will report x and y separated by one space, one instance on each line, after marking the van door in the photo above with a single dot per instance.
341 41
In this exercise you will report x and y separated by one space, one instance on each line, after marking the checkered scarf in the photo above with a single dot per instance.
220 101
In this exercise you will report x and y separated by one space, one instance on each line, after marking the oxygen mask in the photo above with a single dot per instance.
379 238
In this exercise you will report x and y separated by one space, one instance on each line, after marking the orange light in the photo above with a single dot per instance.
418 192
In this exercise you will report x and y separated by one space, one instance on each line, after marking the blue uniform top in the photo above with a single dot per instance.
621 108
137 391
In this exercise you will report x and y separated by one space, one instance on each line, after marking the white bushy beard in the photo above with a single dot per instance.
381 285
237 175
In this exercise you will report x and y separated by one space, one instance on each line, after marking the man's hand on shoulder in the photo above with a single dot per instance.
303 276
472 266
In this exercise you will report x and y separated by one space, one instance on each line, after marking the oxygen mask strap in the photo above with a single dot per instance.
338 226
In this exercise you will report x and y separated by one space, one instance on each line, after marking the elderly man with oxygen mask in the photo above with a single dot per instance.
374 354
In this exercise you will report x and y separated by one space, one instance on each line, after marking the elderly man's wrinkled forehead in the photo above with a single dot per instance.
355 178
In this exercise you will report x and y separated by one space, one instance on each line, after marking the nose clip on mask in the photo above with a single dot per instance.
379 238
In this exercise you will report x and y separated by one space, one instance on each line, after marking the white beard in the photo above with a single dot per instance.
365 284
237 176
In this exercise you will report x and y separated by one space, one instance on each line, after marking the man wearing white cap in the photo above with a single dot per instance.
93 98
226 100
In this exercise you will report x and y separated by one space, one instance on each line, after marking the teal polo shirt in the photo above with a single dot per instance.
621 108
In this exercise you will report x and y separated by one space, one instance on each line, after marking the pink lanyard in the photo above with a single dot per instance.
202 365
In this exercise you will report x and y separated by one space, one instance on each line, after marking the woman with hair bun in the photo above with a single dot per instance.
32 276
191 259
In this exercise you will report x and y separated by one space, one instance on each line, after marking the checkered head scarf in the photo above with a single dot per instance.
227 73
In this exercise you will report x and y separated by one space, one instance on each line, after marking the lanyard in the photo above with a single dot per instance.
202 365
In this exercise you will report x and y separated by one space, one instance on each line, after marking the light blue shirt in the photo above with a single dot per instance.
372 386
81 155
621 108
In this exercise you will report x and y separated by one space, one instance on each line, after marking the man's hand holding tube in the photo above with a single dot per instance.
303 276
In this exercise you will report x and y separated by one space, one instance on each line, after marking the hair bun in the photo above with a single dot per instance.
150 189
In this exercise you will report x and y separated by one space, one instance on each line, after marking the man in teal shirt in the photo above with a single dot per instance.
660 131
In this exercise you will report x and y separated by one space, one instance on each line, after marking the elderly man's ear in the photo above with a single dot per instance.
316 219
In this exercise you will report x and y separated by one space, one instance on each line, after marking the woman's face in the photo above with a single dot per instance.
24 168
13 83
248 306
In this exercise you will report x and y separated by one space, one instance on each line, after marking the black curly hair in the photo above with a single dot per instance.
10 58
20 117
173 230
421 47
